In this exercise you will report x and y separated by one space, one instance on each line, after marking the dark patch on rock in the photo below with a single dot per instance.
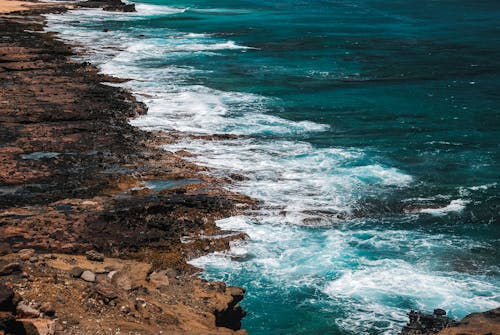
427 324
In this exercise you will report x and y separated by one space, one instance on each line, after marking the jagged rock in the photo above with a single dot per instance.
6 297
94 256
230 316
76 272
427 324
10 269
26 254
25 311
88 276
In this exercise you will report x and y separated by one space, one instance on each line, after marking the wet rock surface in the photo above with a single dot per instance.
73 201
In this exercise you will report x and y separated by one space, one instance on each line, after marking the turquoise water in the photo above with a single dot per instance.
372 133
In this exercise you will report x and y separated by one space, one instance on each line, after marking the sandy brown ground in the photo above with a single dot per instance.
8 6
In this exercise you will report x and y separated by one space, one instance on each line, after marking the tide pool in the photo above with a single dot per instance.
370 135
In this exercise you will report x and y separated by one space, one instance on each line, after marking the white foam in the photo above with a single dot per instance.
457 205
380 287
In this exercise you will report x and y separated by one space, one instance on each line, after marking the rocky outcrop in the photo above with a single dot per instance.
486 323
80 233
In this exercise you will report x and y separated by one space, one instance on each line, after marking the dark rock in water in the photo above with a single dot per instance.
426 324
109 5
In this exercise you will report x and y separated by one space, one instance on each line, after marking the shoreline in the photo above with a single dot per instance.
111 191
77 180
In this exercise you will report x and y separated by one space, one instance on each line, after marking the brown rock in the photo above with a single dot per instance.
26 254
159 279
10 269
476 324
106 289
25 311
131 277
122 280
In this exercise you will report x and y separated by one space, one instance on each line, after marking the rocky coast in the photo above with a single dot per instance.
96 222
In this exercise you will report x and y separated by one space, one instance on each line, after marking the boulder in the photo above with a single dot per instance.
159 279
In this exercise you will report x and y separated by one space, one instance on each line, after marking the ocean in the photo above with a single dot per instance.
369 132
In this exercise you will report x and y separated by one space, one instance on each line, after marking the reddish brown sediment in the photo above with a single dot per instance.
72 179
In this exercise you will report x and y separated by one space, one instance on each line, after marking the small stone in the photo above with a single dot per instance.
76 272
26 254
125 309
60 299
88 276
10 269
93 255
48 309
33 259
25 311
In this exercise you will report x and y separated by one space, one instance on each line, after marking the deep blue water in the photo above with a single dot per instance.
373 141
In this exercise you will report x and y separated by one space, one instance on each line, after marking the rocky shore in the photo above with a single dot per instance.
96 222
